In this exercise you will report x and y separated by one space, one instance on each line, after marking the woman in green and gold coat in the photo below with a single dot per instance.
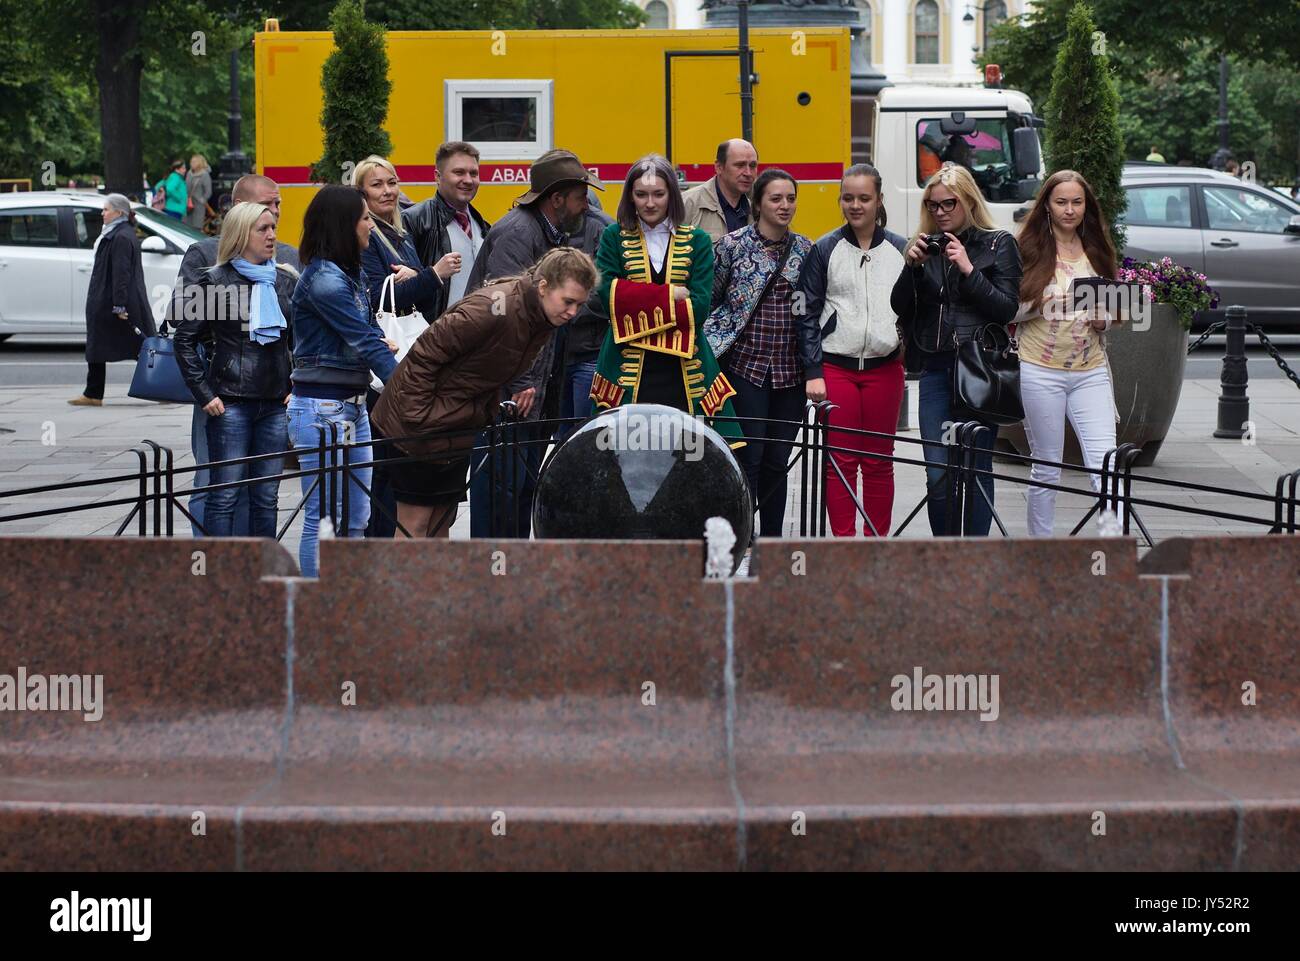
656 282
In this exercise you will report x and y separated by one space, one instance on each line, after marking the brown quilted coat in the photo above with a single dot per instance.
450 377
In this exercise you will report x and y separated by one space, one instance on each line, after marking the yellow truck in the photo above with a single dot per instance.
610 96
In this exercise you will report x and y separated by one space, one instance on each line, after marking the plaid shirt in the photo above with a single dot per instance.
557 237
768 344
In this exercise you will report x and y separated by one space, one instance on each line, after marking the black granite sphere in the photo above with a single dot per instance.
642 471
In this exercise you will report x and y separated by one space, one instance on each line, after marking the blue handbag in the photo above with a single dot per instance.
158 374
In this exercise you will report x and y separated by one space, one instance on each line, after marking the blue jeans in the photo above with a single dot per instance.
514 485
202 478
305 415
937 410
247 428
576 401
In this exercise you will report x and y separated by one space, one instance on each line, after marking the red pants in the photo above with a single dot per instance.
864 400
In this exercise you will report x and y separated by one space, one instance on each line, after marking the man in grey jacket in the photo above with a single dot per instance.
202 254
551 214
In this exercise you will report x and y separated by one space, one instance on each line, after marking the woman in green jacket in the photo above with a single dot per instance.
176 198
656 282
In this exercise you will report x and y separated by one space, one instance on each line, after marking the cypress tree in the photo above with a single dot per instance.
1082 115
355 87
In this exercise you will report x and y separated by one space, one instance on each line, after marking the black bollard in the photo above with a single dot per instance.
1234 405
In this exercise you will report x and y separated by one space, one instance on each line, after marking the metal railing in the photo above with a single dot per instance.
335 479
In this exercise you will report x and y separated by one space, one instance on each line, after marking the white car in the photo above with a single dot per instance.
46 255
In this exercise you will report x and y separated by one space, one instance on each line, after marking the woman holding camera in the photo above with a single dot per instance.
961 273
1063 369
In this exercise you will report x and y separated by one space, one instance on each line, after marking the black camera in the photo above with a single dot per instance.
934 243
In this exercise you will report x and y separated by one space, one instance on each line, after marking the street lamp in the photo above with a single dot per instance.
997 6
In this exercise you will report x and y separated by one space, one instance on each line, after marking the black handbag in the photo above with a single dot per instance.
158 374
987 376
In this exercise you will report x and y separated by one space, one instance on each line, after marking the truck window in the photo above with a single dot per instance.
504 119
986 153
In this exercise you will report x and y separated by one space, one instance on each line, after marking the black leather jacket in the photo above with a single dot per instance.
217 308
937 306
426 222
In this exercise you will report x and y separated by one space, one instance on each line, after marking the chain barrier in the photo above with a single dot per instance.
1263 339
1274 353
1209 331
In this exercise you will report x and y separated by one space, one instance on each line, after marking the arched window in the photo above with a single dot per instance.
994 13
926 31
657 12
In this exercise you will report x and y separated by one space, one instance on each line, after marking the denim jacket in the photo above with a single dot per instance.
336 339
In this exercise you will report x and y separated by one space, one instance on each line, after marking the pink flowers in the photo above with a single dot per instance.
1166 282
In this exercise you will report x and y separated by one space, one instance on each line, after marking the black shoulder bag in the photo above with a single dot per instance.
986 376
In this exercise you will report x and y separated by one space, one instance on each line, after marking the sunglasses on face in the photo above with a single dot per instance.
947 206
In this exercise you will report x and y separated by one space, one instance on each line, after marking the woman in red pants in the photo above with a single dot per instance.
853 356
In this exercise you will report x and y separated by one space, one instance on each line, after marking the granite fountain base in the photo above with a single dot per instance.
583 705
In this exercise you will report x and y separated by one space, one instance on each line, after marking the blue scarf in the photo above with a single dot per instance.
265 319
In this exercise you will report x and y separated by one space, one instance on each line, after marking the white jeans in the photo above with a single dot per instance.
1049 396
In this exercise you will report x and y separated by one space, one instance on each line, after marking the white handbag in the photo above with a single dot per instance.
403 331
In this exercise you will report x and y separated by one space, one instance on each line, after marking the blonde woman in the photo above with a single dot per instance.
243 305
960 273
198 183
391 252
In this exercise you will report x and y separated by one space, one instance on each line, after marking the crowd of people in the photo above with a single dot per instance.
704 300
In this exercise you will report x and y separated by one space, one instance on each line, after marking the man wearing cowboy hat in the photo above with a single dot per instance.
551 214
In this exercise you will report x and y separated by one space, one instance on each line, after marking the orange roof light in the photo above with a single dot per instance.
992 75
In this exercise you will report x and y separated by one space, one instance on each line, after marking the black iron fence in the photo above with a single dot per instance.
159 492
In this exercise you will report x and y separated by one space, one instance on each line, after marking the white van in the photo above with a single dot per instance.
992 131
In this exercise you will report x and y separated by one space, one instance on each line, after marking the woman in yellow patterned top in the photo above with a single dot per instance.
1063 370
656 279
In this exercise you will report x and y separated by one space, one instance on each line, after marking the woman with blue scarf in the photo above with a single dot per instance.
244 302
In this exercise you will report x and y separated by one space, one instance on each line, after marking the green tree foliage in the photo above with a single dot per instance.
1165 60
1082 115
1176 110
183 108
48 118
355 87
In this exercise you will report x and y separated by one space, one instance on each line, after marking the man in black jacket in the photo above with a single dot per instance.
251 188
447 222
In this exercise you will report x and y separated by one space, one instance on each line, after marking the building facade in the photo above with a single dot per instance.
934 41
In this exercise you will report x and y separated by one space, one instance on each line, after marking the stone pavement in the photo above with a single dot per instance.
45 441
